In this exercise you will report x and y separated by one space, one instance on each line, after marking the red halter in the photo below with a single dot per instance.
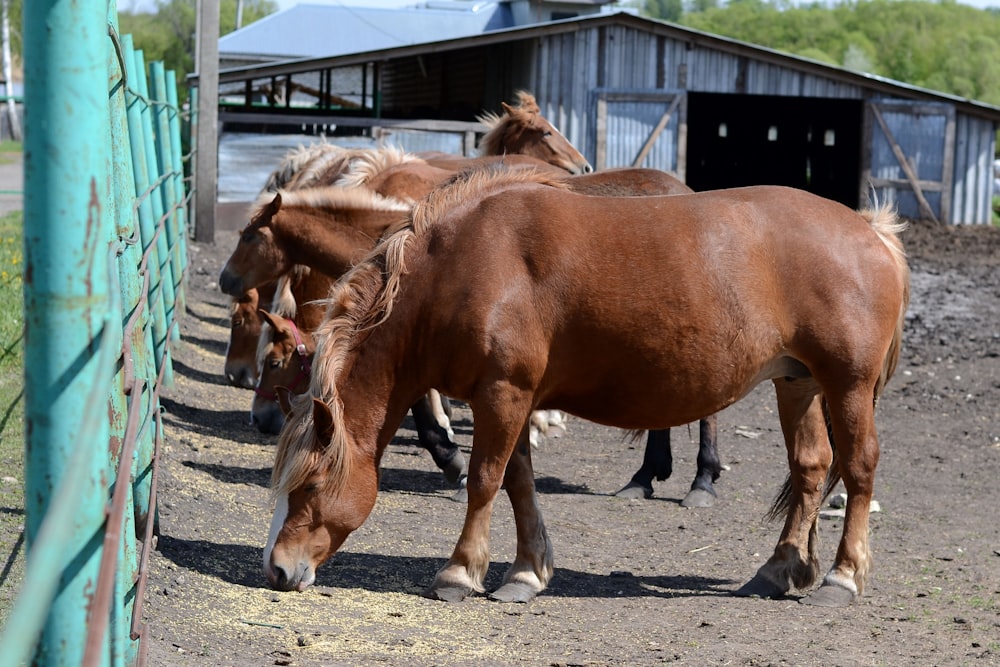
305 367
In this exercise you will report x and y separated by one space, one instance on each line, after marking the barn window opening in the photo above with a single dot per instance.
830 138
723 130
772 133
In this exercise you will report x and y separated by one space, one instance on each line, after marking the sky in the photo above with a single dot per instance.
150 5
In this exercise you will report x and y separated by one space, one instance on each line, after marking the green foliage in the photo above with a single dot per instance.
668 10
11 405
943 46
169 34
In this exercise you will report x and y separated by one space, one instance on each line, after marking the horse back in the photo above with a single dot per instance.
715 290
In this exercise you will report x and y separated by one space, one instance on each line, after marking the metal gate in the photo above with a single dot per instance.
910 156
640 129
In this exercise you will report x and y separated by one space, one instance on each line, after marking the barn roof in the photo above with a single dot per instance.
310 31
372 53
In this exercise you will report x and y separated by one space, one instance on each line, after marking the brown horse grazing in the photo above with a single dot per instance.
312 227
515 296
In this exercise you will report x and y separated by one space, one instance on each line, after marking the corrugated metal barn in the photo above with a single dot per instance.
628 90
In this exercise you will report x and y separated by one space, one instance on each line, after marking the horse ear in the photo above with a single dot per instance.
507 108
268 317
323 421
284 395
271 209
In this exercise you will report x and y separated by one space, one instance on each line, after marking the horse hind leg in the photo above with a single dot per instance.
657 462
532 568
852 422
795 562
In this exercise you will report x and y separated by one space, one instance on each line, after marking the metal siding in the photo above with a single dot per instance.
972 190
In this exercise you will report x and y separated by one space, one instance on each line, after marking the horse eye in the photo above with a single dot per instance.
275 363
311 487
548 133
238 323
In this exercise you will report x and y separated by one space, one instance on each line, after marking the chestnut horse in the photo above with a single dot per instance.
516 296
298 230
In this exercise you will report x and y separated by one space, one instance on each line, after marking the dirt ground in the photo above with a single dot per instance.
637 582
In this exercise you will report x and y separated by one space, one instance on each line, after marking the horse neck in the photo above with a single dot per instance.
330 242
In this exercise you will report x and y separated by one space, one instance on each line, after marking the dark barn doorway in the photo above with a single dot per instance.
808 143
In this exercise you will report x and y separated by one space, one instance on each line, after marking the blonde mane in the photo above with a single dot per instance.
361 300
492 141
299 160
365 167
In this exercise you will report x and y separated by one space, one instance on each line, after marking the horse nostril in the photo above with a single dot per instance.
281 581
587 169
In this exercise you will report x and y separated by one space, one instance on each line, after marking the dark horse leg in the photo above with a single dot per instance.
435 440
657 462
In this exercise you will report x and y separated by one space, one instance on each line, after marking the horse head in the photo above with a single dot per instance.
523 130
244 329
323 492
284 359
257 259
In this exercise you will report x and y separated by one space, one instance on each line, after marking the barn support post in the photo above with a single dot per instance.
207 155
68 342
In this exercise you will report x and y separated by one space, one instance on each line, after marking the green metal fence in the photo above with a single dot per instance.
105 261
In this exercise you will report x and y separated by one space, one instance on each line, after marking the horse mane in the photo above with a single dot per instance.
361 300
492 142
296 160
365 167
332 197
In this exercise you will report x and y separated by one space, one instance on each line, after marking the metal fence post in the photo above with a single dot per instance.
66 296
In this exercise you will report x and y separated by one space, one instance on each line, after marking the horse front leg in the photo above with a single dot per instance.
532 568
852 421
795 562
493 442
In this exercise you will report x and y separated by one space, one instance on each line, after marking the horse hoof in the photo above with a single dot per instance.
829 595
635 492
513 592
698 498
760 587
455 468
446 593
461 496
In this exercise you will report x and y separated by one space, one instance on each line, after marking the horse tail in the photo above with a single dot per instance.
888 226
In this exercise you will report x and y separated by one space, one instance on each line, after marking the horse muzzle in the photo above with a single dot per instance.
298 578
231 283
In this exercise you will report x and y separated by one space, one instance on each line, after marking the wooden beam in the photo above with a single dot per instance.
905 164
657 131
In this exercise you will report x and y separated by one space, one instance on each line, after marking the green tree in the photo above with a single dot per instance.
169 34
668 10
